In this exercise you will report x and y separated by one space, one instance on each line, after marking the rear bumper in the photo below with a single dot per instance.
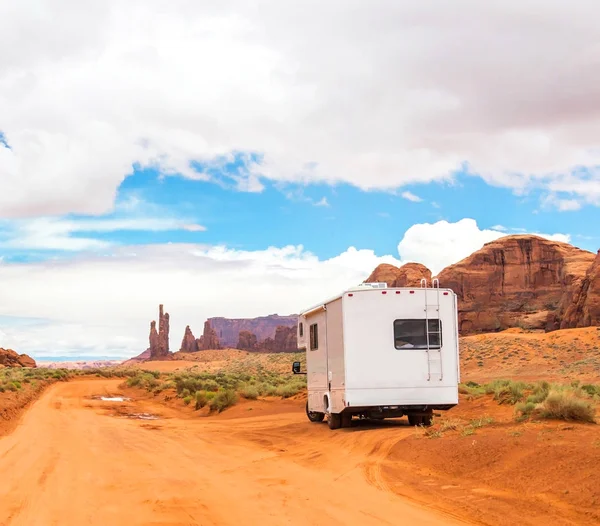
438 397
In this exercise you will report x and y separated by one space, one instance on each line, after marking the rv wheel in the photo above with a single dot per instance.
427 419
334 420
314 416
414 420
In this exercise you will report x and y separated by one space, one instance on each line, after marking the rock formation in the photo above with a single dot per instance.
584 309
228 329
10 358
189 342
247 341
408 275
209 338
159 341
285 340
516 281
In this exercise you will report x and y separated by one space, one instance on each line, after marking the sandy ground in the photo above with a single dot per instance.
74 460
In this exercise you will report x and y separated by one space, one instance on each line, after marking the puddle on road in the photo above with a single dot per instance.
141 416
111 398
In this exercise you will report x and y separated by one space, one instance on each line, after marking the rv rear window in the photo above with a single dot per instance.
411 334
314 337
301 329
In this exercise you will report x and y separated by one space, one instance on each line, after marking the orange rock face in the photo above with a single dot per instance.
159 340
189 342
408 275
584 309
9 358
209 338
516 281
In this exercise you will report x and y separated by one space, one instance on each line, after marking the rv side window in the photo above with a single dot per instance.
314 337
411 334
301 329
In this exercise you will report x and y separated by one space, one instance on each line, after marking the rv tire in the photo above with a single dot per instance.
415 420
314 416
427 419
346 420
334 420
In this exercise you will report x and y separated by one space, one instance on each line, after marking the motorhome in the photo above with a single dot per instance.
378 352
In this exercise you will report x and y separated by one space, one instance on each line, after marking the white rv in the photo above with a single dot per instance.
380 352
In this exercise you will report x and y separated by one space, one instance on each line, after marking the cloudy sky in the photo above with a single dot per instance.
241 158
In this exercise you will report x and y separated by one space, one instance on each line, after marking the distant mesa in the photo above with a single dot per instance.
271 333
10 358
516 281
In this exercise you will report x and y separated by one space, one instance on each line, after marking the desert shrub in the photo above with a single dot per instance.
187 400
249 391
540 392
143 380
509 393
483 421
223 399
266 389
590 389
524 410
201 399
565 405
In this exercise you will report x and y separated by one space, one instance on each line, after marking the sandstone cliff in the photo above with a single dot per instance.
408 275
516 281
10 358
227 330
584 309
285 340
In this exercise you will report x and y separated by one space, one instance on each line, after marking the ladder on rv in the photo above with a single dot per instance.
434 356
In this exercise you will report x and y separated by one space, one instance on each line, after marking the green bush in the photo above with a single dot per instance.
201 399
187 400
223 399
249 391
510 393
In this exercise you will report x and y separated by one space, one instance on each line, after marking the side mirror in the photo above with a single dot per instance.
296 368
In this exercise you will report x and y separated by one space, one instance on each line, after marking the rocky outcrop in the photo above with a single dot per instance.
159 340
189 342
285 340
584 309
408 275
247 341
515 281
228 329
10 358
209 338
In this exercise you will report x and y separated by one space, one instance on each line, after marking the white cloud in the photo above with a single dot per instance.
194 228
85 95
103 304
562 205
64 234
437 245
322 202
500 228
411 197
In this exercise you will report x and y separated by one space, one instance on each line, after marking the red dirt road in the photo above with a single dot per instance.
76 461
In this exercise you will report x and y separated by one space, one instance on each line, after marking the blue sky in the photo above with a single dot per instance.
325 219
